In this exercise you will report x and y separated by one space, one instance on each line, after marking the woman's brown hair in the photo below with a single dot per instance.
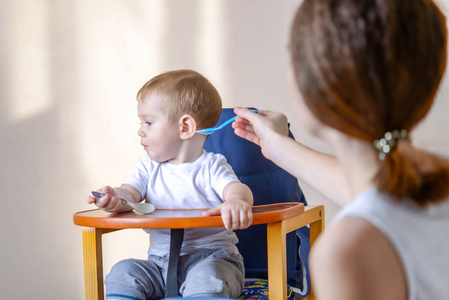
374 66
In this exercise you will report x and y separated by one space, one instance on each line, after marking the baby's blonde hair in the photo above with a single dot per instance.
185 92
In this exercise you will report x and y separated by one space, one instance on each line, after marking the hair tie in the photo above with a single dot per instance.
389 141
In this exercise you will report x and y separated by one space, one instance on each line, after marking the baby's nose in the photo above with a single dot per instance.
140 132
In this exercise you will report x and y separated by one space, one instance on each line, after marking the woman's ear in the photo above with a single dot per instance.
187 127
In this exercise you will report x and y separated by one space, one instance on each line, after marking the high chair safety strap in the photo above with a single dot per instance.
171 286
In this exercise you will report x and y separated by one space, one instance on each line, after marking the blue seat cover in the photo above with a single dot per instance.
269 184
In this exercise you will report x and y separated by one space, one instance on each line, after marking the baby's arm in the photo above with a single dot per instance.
236 211
110 201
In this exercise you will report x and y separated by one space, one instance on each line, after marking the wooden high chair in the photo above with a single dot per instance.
269 251
279 218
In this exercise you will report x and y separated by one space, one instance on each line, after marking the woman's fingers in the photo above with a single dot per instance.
248 135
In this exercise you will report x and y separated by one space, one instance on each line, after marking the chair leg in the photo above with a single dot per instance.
93 263
313 215
316 228
277 261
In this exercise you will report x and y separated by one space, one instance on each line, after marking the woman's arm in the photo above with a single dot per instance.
269 130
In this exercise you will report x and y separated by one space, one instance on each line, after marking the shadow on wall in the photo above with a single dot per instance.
39 164
49 69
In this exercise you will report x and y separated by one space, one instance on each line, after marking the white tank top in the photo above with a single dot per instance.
420 237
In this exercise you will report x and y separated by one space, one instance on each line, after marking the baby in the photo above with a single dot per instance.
177 173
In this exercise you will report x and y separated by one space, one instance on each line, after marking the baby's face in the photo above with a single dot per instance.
159 138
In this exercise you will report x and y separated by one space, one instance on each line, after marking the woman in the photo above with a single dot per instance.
364 74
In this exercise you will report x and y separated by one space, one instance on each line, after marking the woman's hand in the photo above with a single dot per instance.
261 128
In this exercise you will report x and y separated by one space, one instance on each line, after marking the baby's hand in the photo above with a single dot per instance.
236 213
109 202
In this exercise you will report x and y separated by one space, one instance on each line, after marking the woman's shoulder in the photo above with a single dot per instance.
354 260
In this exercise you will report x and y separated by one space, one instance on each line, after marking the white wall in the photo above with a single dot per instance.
69 72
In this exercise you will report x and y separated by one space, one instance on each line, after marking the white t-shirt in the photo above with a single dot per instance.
199 184
419 235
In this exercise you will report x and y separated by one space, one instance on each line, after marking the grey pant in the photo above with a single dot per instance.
206 273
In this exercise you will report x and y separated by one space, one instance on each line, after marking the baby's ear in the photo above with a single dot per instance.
187 127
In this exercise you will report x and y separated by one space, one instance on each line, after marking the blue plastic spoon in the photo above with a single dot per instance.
208 131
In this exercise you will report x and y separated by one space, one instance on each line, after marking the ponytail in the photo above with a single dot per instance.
408 172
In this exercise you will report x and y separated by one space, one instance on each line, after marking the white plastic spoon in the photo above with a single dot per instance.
143 207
